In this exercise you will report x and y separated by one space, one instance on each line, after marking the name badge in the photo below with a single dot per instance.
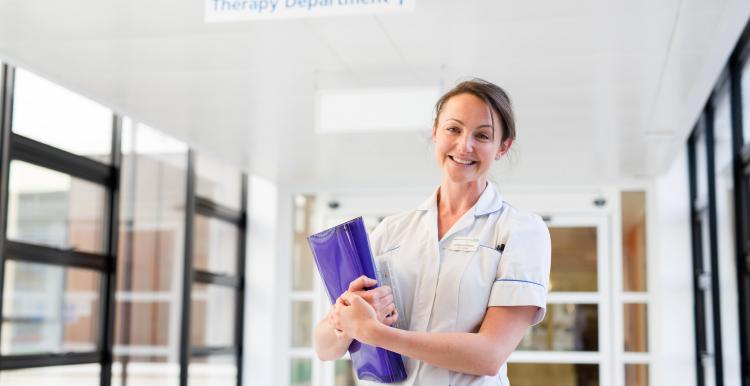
464 244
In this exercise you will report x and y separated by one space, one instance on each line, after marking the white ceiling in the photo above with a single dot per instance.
604 90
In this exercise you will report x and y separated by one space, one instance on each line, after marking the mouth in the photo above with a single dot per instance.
461 161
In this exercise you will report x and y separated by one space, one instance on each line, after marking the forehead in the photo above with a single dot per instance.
468 108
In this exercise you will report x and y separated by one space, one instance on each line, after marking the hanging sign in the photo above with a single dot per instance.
237 10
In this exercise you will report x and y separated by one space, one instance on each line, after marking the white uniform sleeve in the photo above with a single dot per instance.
523 273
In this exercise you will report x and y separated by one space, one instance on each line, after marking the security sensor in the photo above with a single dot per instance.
600 202
333 204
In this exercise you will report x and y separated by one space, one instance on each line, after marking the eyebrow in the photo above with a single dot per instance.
478 127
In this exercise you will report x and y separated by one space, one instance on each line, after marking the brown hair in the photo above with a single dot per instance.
493 95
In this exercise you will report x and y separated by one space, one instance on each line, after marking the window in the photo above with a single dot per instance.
174 316
151 252
48 113
215 258
57 240
49 309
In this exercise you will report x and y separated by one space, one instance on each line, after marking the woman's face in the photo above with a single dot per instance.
465 144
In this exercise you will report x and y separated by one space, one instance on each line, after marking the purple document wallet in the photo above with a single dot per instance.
342 254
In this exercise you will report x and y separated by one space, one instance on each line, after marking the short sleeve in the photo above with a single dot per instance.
523 273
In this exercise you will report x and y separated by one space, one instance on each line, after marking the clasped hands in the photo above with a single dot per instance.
358 309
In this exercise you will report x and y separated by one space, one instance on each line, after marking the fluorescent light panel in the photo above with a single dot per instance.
375 109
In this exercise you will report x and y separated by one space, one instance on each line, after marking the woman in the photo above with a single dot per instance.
472 271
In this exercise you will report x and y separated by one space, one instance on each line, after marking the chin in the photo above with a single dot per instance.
462 178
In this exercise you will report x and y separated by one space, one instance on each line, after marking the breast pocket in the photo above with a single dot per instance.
474 291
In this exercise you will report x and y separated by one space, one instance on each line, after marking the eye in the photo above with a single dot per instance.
453 129
483 137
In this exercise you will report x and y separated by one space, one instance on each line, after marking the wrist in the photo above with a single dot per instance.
371 332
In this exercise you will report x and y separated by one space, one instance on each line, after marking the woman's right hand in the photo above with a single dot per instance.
380 299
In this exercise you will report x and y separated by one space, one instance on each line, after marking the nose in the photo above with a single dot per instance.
466 143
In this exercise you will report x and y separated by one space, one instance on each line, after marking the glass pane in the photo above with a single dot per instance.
218 182
302 266
344 373
71 375
636 327
567 327
574 255
144 371
302 324
722 131
54 209
215 245
701 165
212 316
213 371
49 309
636 375
301 372
563 374
149 273
745 90
634 241
48 113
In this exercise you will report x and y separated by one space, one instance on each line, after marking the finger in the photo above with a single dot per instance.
384 290
389 310
367 295
338 333
350 298
391 319
341 301
361 282
388 299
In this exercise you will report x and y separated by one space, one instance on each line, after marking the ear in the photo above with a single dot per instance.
434 131
504 147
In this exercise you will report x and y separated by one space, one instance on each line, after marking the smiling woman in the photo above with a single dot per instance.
465 309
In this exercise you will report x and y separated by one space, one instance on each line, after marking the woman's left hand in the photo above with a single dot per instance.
355 317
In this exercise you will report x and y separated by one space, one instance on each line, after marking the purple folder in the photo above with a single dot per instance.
343 254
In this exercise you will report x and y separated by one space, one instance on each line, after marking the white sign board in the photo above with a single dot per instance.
237 10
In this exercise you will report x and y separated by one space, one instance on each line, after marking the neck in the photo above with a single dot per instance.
456 198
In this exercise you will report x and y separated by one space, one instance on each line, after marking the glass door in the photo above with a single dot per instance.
570 346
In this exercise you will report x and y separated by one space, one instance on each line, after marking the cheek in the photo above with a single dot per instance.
441 147
488 154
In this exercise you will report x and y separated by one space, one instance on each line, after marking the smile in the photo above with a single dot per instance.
460 161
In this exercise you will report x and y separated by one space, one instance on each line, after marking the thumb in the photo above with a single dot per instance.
361 282
352 298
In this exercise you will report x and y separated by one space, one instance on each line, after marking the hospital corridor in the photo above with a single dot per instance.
553 193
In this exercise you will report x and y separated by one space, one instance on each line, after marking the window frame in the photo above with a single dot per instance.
707 211
17 147
210 209
741 159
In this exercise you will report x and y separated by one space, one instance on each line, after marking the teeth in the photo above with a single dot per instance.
462 161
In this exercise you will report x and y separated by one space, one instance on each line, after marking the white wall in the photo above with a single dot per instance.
267 275
670 258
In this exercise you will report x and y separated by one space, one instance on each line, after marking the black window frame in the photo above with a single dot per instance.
238 218
16 147
741 178
741 160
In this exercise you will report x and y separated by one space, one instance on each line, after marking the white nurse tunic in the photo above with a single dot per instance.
447 285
